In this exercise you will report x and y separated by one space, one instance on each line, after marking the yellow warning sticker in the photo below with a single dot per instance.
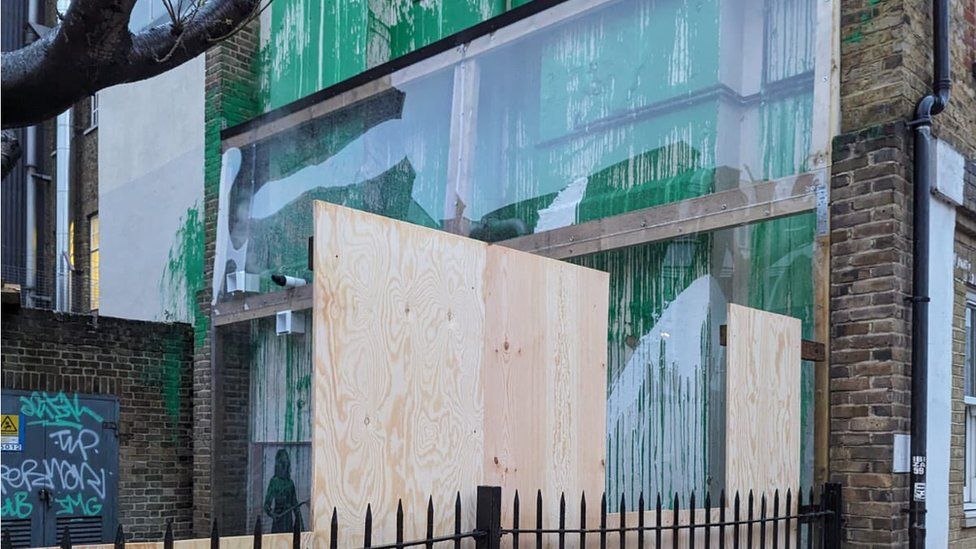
10 425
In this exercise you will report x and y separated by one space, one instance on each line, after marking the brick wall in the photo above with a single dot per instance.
885 68
233 346
231 85
870 350
148 367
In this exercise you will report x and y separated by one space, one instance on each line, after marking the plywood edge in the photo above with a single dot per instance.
327 208
501 249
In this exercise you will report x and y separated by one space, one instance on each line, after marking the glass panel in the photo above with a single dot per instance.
588 110
265 425
665 399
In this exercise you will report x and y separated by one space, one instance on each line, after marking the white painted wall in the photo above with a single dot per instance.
150 169
947 194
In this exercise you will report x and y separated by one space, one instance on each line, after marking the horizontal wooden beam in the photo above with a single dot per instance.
739 206
809 350
250 307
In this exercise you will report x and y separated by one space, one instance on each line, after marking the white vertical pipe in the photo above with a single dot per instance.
62 295
30 220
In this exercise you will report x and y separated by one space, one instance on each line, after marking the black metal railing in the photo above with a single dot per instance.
730 524
746 522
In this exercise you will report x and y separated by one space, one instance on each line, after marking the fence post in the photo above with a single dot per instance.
832 525
489 517
168 538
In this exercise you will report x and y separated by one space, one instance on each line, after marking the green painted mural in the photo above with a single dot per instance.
635 104
314 44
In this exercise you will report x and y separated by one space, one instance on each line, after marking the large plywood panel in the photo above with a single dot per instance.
442 363
397 407
763 401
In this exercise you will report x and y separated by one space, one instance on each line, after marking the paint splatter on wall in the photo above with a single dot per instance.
632 105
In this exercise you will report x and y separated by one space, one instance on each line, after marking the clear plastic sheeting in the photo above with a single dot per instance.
577 115
263 428
587 110
666 392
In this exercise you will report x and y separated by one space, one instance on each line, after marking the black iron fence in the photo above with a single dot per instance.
743 521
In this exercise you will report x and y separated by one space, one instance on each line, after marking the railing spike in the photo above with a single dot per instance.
257 532
457 520
368 527
538 519
516 513
334 526
399 523
214 535
603 521
119 538
430 521
582 541
296 531
562 520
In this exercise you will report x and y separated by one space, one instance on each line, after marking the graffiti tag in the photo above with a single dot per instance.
76 441
78 504
55 410
16 506
54 474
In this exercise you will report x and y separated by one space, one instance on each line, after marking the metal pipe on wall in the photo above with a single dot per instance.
62 301
932 104
31 156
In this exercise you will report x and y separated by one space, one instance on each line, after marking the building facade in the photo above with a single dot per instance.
755 152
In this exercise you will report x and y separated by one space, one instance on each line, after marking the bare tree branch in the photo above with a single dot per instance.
9 152
92 49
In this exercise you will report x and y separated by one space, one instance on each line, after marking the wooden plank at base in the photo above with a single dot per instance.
762 395
442 363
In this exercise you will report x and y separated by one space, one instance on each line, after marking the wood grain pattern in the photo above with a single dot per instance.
545 383
763 402
397 410
441 361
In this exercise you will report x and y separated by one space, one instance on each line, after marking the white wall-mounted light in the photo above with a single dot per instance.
289 322
242 281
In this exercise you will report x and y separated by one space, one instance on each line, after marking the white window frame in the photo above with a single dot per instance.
969 403
93 114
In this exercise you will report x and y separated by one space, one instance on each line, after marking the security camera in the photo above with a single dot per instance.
288 281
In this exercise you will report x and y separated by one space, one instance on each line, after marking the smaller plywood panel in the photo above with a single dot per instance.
762 402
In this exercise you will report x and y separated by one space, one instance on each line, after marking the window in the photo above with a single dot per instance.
969 375
93 291
93 119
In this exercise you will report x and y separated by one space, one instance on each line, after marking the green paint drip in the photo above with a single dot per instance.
184 275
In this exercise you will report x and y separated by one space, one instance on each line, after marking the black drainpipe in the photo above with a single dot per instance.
930 105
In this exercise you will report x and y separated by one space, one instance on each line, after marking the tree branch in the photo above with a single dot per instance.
9 152
92 49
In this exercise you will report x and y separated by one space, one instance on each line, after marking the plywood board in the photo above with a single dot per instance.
442 363
763 401
545 336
